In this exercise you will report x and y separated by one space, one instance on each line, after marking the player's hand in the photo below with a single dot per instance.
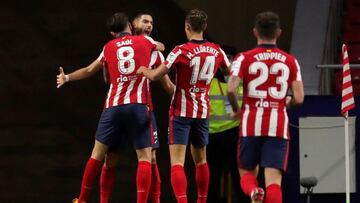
235 115
141 70
61 79
160 46
288 101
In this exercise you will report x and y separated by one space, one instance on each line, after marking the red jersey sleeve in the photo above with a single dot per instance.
237 66
295 73
224 63
157 58
148 41
173 57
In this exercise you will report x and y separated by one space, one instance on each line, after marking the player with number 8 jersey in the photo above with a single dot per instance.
127 87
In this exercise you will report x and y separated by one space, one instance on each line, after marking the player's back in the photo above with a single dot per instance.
196 63
123 56
267 73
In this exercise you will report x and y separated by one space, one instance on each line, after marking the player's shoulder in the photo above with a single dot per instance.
181 48
212 44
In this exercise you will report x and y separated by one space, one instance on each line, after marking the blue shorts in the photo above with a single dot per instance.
269 152
156 143
186 131
119 124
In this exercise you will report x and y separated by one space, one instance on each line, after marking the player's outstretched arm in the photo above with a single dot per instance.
232 94
297 88
79 74
153 74
167 84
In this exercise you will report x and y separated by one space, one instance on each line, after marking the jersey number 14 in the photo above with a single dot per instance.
206 71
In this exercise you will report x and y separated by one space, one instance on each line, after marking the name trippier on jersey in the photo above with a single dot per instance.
202 49
270 56
124 43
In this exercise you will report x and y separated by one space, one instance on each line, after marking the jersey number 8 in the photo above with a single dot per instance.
126 62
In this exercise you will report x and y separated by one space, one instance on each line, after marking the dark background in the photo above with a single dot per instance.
46 133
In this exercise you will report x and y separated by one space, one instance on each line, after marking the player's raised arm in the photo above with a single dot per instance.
153 74
79 74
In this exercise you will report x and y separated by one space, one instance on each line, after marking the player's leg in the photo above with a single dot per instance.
178 139
108 175
91 171
273 178
274 160
230 140
104 138
199 136
248 159
143 174
155 188
178 177
139 127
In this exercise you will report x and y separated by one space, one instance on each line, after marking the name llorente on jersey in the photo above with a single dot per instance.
203 49
124 43
266 104
270 56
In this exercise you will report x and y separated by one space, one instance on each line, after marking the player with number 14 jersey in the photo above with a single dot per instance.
195 63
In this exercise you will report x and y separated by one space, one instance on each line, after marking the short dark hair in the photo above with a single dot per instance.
267 23
197 20
117 22
138 15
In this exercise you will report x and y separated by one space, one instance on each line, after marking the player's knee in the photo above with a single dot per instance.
199 155
144 154
272 176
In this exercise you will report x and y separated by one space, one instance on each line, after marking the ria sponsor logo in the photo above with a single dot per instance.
197 89
123 78
266 104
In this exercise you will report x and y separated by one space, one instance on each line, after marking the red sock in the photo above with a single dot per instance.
155 188
92 169
273 194
248 182
202 181
179 183
143 181
107 180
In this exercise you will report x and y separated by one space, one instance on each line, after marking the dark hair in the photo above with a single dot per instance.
197 20
138 15
267 23
117 22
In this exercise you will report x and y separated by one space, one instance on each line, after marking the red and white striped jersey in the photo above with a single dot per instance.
157 58
122 57
196 63
267 73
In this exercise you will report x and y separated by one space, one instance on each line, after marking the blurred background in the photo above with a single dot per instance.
47 134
